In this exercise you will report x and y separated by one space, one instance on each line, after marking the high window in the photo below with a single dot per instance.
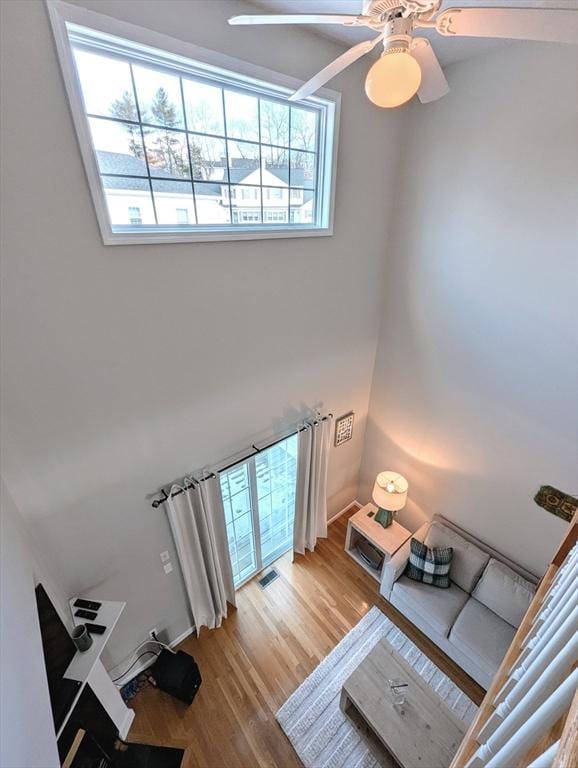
200 151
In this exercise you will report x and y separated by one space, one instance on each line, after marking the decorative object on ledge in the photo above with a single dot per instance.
344 428
390 495
81 638
557 502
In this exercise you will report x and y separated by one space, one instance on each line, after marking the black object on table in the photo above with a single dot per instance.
96 629
82 614
89 605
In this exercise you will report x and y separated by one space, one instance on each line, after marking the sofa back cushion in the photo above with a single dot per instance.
468 560
504 592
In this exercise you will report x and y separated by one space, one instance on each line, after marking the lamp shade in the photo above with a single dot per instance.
393 79
390 491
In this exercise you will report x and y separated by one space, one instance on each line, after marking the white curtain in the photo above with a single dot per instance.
311 495
197 522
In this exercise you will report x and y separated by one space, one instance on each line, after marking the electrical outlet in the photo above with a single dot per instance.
168 567
152 633
165 557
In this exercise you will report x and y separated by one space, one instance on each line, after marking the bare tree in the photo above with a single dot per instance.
275 130
303 129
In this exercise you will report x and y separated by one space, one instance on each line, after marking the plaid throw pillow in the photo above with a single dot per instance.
432 566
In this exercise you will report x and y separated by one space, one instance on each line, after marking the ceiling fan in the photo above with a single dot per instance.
408 64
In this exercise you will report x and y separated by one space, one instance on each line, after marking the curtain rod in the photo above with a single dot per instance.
157 502
165 496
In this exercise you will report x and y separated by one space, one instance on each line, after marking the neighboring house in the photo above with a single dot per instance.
250 195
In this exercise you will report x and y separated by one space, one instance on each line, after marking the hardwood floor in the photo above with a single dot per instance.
263 651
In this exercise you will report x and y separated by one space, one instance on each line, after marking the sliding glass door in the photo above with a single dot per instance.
238 504
259 500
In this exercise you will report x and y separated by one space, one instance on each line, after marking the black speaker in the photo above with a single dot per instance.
370 554
177 674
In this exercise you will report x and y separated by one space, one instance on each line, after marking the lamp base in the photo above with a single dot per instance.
384 517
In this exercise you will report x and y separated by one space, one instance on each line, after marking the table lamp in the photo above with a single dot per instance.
390 495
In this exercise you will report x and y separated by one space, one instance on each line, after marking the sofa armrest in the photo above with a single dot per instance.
395 566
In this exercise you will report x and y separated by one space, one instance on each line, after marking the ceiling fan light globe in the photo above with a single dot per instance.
394 79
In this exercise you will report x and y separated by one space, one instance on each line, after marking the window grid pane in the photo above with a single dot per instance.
163 126
237 502
276 471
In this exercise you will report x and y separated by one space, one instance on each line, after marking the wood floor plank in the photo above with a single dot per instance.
265 649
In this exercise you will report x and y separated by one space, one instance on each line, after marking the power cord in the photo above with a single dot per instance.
152 639
145 653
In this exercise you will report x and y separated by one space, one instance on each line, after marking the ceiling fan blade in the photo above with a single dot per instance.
337 66
302 18
433 81
556 26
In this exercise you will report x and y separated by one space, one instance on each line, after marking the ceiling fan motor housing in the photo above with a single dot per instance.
421 6
379 9
397 34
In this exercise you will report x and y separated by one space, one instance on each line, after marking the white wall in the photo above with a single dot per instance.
27 738
474 396
125 367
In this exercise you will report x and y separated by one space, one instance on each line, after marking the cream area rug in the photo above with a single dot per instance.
320 733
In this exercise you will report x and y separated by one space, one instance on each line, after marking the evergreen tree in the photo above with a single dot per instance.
164 111
125 109
168 147
201 162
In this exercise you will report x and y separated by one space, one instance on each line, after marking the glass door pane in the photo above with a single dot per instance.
237 501
276 475
259 501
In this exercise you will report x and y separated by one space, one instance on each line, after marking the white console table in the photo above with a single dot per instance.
87 669
388 540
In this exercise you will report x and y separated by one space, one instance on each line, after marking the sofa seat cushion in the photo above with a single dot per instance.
439 607
504 592
482 635
468 561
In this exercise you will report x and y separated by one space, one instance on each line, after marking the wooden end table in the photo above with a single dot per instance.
421 732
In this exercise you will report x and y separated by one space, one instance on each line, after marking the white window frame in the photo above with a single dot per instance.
234 70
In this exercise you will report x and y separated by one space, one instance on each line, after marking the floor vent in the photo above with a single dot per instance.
264 581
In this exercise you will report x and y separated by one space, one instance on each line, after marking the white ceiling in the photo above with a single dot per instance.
448 50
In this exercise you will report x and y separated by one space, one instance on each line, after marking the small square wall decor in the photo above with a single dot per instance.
344 428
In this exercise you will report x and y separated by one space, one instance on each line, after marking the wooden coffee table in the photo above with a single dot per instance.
423 732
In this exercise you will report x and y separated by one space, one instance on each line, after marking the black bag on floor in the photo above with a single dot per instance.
177 674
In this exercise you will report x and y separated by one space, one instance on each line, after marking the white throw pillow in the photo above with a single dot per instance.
468 561
504 592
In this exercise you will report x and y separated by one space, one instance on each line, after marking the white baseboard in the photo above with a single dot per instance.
354 503
182 637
